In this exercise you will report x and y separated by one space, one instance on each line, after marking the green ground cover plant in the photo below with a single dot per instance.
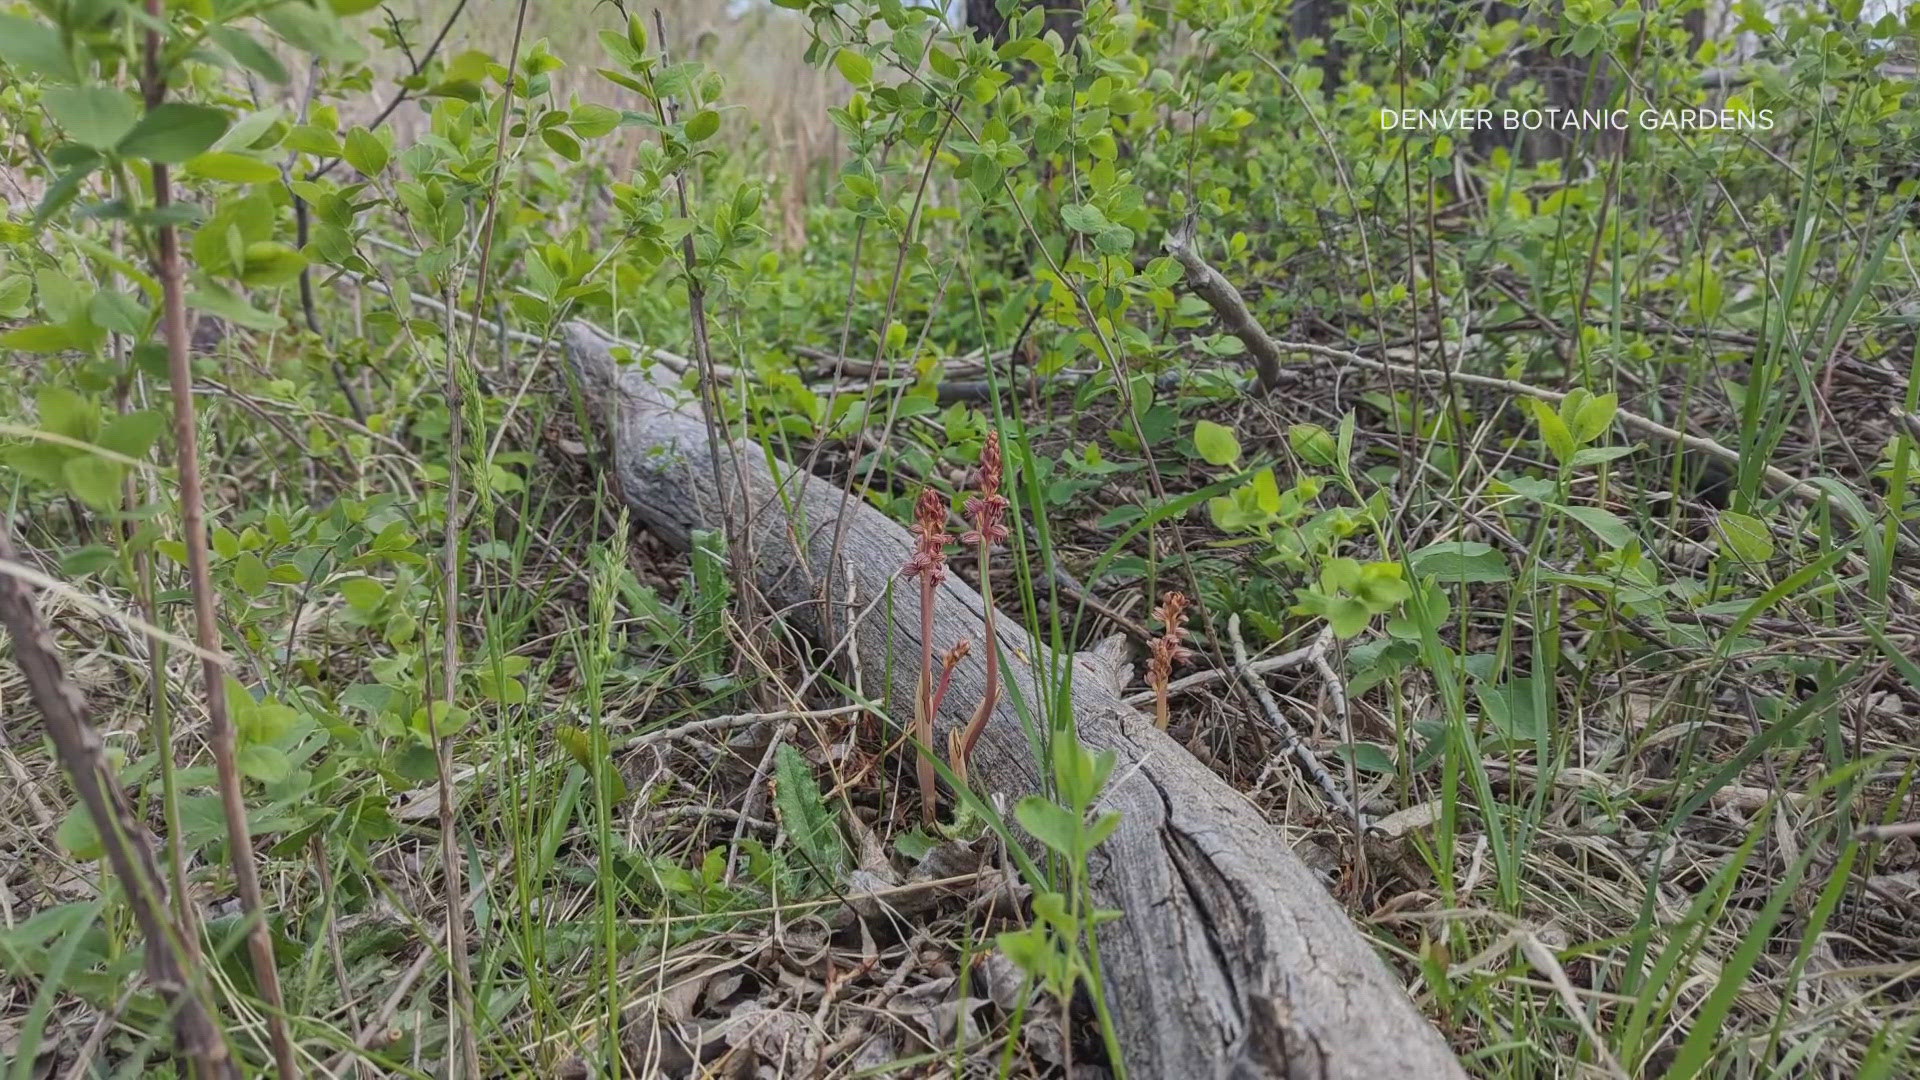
1526 521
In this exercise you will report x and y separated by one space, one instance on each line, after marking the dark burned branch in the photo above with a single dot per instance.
78 746
1231 960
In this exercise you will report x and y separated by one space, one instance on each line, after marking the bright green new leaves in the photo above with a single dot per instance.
1215 443
1581 420
265 728
230 167
1314 444
854 67
78 453
1744 537
1049 950
365 152
237 242
1249 507
1350 595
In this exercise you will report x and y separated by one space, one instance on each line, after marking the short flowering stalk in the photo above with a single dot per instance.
928 563
987 511
1167 650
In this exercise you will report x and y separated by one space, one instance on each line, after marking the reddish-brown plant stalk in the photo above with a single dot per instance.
987 511
171 272
1167 650
928 563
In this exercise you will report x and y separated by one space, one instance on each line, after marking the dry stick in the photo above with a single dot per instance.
318 849
1213 287
1290 739
720 723
1297 658
206 627
81 753
1232 309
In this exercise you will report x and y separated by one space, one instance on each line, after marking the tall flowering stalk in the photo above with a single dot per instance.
928 563
988 512
1168 649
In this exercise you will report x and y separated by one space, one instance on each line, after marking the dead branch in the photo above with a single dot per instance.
128 848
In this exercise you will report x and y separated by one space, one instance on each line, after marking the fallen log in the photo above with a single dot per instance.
1230 959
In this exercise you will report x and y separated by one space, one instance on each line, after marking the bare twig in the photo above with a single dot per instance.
1297 658
738 534
727 723
1290 740
1228 304
171 273
128 851
465 1017
1888 832
1213 287
752 797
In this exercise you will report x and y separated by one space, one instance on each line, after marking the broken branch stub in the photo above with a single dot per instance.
1230 960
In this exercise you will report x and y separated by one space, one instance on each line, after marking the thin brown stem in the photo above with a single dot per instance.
963 749
923 714
168 268
465 1017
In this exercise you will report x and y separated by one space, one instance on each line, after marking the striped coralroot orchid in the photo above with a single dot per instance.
987 511
928 563
1167 650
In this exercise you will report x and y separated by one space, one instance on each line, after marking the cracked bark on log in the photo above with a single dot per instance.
1231 959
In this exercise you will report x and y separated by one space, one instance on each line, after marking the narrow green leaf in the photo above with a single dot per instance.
231 167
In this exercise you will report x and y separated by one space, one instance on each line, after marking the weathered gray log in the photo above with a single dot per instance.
1231 960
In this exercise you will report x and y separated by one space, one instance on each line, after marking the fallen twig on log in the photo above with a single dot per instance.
1230 960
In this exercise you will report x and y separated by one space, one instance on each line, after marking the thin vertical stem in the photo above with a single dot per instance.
465 1017
168 268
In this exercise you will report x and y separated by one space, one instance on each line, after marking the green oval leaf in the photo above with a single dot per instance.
366 152
96 116
857 69
171 133
703 125
1216 443
1744 536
